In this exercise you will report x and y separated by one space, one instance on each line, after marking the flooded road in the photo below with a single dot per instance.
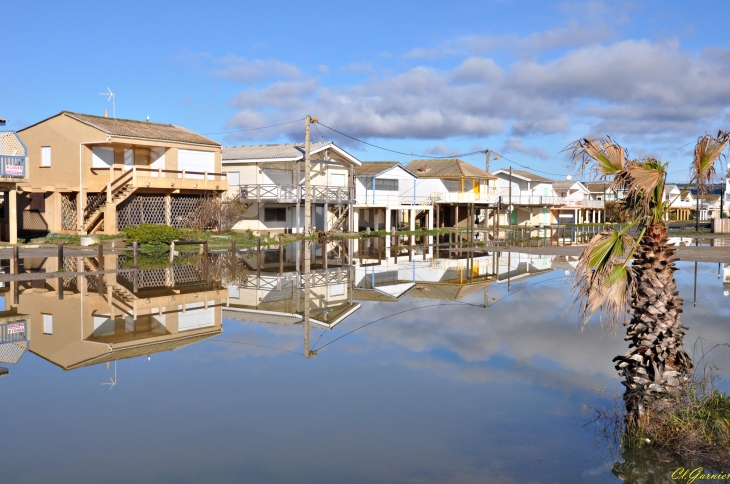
196 372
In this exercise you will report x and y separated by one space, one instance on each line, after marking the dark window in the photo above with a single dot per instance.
274 215
38 202
384 184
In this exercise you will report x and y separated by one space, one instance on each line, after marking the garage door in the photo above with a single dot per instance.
193 160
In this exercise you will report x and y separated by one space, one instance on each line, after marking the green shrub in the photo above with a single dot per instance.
158 234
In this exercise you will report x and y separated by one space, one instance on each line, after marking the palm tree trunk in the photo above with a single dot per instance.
656 361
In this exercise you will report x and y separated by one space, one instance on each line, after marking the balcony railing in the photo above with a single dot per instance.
584 203
145 177
292 193
12 166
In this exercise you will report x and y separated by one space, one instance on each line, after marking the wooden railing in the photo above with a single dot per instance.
290 193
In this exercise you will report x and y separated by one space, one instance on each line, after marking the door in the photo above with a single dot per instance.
157 160
476 187
128 159
196 161
514 216
102 157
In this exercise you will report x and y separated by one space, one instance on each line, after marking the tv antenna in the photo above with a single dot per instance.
112 99
112 381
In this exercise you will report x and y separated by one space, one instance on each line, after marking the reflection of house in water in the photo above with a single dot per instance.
14 336
451 274
86 320
275 294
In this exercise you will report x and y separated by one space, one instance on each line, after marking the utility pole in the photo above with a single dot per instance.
307 231
510 197
487 153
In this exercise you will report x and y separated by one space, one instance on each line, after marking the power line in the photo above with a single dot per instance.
460 155
260 127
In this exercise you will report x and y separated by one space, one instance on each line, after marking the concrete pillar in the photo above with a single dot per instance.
388 215
168 209
80 212
355 220
412 225
13 216
110 218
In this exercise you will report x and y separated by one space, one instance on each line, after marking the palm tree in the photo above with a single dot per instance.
632 270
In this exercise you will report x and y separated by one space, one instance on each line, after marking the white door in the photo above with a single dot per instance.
277 177
157 160
197 161
128 159
102 157
337 180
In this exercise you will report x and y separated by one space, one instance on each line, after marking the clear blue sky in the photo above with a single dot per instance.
523 78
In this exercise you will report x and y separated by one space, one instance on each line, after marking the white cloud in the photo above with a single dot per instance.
516 145
638 88
249 71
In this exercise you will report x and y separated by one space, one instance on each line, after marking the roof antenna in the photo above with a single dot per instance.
112 99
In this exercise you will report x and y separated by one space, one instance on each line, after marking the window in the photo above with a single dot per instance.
45 156
234 178
388 185
38 202
47 324
274 215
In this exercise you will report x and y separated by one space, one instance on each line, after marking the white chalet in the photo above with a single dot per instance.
270 178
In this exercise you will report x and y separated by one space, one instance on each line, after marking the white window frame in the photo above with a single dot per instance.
47 323
45 156
233 176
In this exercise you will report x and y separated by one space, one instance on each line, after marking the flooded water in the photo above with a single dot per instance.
196 372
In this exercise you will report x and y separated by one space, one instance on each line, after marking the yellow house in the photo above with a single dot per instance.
90 174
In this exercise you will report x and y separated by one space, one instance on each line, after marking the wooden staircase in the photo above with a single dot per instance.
120 190
340 212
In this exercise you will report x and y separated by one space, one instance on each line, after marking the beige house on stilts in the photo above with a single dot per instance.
93 174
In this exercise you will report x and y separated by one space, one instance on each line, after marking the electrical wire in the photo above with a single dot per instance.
260 127
252 344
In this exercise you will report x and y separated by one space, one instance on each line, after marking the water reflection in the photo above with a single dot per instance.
439 388
74 322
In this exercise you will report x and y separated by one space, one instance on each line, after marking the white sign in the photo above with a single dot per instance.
14 170
16 328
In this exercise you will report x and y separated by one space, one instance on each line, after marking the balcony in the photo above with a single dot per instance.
12 157
140 177
533 200
294 193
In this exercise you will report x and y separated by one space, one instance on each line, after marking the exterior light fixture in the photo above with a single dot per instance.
569 177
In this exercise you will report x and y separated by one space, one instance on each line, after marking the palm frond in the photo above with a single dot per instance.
646 185
603 280
707 150
609 157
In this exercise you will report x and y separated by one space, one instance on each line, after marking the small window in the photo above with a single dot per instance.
274 215
47 324
233 178
38 202
45 156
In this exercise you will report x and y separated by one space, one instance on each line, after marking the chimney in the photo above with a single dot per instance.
106 113
423 168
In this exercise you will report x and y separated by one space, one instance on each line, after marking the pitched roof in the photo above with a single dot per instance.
281 152
374 167
669 188
526 175
145 349
128 128
710 196
446 168
597 187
